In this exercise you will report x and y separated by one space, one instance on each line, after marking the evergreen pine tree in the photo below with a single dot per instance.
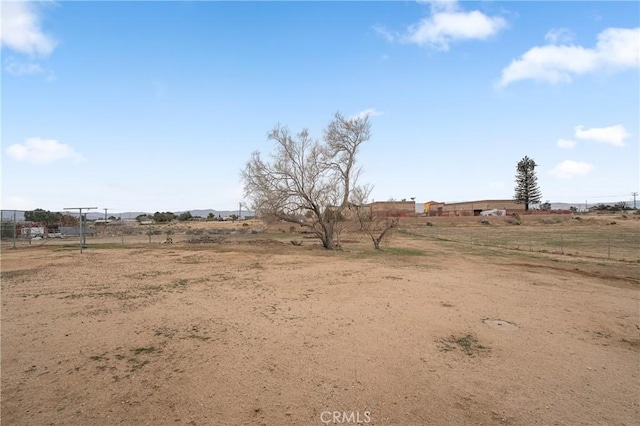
527 190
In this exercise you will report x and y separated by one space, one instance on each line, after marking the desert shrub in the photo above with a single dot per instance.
429 224
183 217
219 231
550 221
7 229
129 230
204 239
485 222
513 221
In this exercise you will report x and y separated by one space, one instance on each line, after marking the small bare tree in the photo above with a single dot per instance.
377 225
308 182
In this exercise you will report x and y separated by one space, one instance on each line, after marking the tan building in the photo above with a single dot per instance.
433 208
474 208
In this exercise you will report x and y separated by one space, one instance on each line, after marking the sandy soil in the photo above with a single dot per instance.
272 334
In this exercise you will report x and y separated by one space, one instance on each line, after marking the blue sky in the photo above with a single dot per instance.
147 106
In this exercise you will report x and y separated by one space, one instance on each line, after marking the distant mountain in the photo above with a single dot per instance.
195 212
567 206
7 215
583 206
222 213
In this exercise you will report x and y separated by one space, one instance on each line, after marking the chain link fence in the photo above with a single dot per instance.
24 228
601 243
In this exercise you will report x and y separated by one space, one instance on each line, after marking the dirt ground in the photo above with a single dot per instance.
265 333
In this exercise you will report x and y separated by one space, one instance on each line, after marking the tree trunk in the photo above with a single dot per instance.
328 243
376 243
327 237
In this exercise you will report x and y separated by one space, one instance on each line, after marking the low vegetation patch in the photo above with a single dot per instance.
468 344
399 251
144 350
550 221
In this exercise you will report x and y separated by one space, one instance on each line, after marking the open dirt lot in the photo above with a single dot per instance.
265 333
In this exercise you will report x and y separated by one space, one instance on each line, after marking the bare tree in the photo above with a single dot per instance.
343 137
376 225
308 182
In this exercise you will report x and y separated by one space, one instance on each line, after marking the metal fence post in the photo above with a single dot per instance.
81 233
561 243
14 229
608 246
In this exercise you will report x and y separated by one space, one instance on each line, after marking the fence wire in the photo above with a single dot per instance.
599 242
17 231
589 243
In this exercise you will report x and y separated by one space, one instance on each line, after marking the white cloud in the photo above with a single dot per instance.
369 112
385 33
570 169
441 4
447 24
16 68
442 28
559 35
619 47
41 151
20 29
616 49
612 135
566 143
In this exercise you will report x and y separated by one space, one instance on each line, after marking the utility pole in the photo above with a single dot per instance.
635 194
239 210
81 230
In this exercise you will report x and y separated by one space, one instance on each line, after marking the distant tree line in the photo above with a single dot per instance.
50 218
164 217
620 206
